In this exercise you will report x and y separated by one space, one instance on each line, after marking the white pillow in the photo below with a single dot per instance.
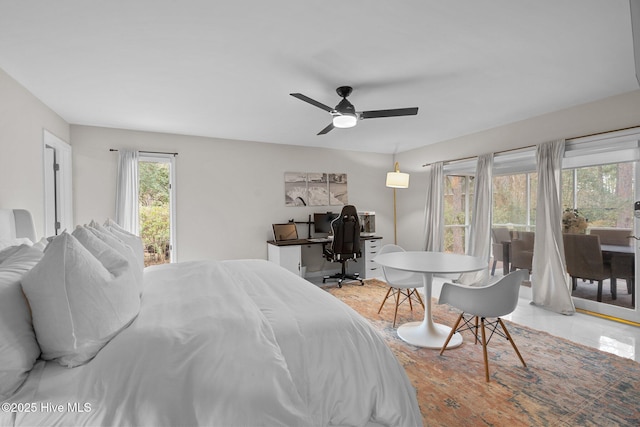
121 247
18 346
41 244
116 259
130 239
78 305
5 243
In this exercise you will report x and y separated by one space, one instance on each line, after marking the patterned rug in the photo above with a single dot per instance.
564 384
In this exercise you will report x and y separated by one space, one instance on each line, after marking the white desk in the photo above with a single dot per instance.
427 333
288 254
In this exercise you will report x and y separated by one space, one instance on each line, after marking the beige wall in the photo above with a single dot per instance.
608 114
23 119
224 218
228 192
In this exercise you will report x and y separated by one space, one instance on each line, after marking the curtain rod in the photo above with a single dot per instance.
148 152
602 133
531 146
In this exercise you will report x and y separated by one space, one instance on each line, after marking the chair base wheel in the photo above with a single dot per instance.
343 277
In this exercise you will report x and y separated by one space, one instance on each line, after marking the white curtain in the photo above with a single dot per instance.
434 209
480 230
550 283
127 191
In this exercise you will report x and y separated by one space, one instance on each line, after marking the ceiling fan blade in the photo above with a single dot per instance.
327 129
305 98
389 113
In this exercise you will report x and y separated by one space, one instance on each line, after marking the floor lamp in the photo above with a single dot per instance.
396 179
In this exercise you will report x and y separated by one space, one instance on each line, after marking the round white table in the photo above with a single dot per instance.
427 333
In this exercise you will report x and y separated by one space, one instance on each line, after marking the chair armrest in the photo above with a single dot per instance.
495 300
464 297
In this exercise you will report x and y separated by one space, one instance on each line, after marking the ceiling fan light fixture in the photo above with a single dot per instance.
344 115
345 120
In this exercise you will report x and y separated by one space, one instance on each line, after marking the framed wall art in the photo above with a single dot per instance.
315 189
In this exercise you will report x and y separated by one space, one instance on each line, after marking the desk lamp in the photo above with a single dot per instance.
396 179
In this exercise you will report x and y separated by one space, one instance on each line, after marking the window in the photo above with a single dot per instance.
603 194
458 200
598 179
514 201
156 208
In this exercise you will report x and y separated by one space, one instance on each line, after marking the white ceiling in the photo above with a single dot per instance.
225 68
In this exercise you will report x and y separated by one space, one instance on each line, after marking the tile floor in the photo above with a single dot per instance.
606 335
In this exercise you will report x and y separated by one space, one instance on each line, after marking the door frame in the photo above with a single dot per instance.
170 159
58 186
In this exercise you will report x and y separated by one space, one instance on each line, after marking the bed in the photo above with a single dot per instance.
242 342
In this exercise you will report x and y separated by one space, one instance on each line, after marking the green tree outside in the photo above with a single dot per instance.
154 206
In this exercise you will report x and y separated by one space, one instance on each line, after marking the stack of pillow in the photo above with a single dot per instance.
80 293
18 347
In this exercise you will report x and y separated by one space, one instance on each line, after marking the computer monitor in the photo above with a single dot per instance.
286 231
322 221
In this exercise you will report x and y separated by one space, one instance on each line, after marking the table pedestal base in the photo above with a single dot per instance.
428 335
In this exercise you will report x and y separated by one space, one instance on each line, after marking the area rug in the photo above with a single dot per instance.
564 383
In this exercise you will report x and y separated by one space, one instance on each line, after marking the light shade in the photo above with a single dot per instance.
345 120
397 180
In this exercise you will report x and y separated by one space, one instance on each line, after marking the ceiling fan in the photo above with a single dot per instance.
344 115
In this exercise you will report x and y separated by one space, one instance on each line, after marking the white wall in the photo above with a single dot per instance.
23 119
220 219
228 192
605 115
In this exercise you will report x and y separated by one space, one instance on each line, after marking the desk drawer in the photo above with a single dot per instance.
371 249
373 270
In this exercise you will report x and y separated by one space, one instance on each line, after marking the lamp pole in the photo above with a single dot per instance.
395 226
396 179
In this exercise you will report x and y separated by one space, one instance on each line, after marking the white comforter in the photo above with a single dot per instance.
232 343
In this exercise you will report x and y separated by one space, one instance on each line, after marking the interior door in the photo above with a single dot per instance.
58 201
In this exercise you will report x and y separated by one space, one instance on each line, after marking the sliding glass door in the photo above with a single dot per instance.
156 197
601 200
599 191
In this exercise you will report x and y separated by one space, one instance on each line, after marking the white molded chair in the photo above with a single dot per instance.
402 284
491 301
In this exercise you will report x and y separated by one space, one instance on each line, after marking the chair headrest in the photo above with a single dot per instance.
349 210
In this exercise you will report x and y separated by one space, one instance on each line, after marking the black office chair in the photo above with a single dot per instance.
345 245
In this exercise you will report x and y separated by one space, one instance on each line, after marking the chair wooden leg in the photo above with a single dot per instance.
484 351
506 332
395 314
453 331
409 298
599 296
385 299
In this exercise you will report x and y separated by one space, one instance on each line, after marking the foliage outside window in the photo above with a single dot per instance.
458 200
154 207
514 201
604 194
